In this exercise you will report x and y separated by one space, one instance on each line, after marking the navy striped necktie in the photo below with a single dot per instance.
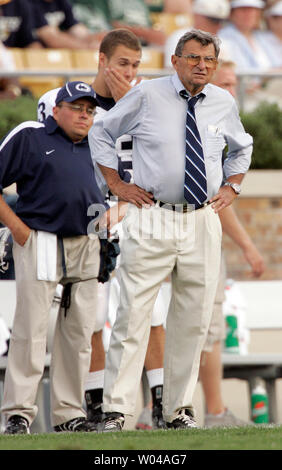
195 182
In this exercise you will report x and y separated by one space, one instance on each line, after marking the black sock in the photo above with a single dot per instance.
94 398
157 395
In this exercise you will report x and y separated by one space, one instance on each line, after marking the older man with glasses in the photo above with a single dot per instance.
52 166
180 125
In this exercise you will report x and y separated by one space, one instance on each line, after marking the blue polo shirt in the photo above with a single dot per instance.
16 24
55 178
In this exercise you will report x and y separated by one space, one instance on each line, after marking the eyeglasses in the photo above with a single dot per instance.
79 108
193 59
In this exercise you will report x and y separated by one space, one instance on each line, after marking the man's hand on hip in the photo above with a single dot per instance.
126 191
223 198
133 194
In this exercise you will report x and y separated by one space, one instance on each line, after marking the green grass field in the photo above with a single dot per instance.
245 438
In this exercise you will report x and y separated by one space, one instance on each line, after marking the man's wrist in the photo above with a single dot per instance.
235 186
116 186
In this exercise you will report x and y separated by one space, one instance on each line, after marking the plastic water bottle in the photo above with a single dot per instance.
231 339
259 403
234 311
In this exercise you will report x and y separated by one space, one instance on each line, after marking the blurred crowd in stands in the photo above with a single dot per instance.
250 30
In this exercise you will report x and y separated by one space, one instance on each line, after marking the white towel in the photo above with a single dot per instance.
46 256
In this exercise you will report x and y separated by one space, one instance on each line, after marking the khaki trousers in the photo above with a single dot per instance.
72 340
159 242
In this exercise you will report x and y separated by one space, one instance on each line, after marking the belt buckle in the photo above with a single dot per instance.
182 208
176 207
186 208
179 208
205 204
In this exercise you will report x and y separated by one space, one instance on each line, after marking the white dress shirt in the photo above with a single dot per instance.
155 115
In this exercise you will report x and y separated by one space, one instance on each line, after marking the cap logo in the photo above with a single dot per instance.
83 87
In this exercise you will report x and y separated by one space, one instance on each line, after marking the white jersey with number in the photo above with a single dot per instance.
46 104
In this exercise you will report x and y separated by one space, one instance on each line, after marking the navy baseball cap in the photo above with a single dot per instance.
72 91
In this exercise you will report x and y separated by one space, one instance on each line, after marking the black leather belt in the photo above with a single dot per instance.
180 207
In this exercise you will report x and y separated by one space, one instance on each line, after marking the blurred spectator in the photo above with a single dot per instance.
57 27
170 6
207 16
225 76
94 14
272 39
240 38
9 87
16 24
131 14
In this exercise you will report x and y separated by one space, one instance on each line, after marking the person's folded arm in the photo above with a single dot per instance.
52 37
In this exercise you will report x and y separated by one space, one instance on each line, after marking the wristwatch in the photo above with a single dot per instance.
236 187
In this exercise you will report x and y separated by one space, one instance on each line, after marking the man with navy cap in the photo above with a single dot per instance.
52 166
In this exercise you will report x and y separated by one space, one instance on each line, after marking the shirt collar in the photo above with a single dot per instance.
178 85
51 127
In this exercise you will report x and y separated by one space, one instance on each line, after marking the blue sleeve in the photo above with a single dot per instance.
13 155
